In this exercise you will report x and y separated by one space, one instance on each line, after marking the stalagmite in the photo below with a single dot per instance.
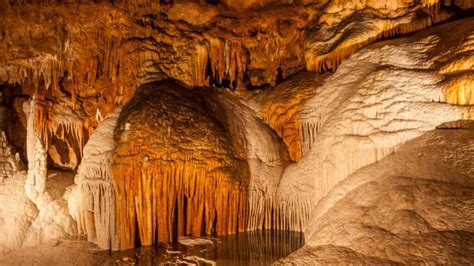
187 119
92 199
37 168
53 220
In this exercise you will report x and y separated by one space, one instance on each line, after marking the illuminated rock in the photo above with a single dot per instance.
182 165
99 65
210 156
378 99
281 108
92 200
413 207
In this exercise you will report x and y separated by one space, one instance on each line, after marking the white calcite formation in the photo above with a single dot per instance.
414 206
9 162
45 216
37 157
91 200
17 212
378 99
371 182
266 158
32 210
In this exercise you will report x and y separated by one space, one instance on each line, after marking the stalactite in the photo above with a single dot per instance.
309 131
292 215
228 60
200 66
176 198
62 123
363 114
175 179
287 126
44 68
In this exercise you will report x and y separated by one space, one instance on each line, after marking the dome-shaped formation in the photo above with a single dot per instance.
177 170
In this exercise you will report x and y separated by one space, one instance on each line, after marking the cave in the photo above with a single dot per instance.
223 132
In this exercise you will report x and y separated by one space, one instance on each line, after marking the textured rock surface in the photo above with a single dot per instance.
191 156
94 58
192 163
414 206
379 98
22 222
281 107
91 200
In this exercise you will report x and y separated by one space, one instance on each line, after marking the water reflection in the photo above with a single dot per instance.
252 248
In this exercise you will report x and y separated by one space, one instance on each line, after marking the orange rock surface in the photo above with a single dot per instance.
176 169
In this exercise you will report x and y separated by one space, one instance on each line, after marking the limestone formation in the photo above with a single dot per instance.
378 99
98 66
281 108
419 198
183 167
92 200
28 217
9 162
178 119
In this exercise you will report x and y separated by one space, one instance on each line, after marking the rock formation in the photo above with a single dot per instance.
99 65
378 99
92 200
198 118
418 198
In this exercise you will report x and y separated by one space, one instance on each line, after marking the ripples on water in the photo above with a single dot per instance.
252 248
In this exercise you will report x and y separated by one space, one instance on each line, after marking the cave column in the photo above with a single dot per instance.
36 153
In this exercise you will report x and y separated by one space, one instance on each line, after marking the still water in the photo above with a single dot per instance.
252 248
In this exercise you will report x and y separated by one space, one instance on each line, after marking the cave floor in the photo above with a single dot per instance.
252 248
